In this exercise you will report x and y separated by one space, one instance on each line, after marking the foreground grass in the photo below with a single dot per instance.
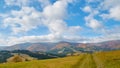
67 62
109 59
97 60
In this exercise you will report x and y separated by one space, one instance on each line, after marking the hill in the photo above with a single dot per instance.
108 59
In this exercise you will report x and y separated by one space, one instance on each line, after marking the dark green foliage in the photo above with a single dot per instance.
33 54
4 55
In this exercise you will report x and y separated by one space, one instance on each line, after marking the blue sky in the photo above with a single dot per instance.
59 20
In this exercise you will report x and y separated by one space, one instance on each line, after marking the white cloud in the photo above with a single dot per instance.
44 3
53 38
92 1
73 29
17 2
32 39
57 26
114 13
28 18
2 42
113 8
92 23
87 9
35 39
55 11
110 6
90 20
24 20
105 38
107 4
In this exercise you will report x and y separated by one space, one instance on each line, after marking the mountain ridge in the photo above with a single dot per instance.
107 45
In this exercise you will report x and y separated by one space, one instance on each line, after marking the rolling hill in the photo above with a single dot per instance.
108 59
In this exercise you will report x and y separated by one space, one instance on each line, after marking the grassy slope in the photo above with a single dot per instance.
97 60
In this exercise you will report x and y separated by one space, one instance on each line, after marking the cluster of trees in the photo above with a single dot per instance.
4 55
34 54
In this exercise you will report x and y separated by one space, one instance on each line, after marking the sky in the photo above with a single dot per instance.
86 21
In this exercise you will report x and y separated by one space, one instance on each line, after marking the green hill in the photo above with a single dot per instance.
109 59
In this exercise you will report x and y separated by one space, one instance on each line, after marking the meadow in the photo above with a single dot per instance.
110 59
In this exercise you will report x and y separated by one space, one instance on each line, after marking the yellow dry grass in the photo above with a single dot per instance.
109 59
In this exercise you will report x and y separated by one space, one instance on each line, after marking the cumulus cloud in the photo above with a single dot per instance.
28 18
92 1
44 3
55 11
113 8
90 20
107 4
87 9
113 14
24 20
93 23
110 7
17 2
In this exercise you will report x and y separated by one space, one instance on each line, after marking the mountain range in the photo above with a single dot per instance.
43 47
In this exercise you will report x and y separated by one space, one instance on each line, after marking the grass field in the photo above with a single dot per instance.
109 59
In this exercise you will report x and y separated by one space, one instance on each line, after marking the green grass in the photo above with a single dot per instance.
97 60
